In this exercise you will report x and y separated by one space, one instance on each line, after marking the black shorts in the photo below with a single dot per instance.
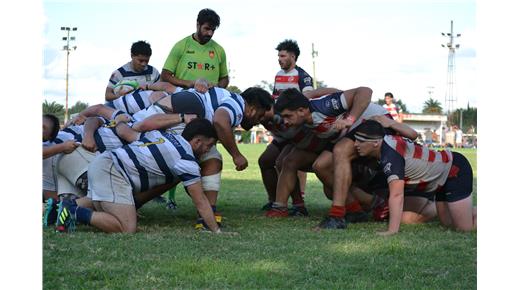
459 184
279 144
188 103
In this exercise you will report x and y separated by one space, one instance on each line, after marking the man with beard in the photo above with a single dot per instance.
197 58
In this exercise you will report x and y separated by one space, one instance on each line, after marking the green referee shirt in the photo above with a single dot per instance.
189 60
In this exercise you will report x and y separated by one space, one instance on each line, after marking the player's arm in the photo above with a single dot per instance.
395 204
222 123
65 147
223 79
319 92
159 86
91 125
401 128
223 82
126 132
168 76
162 121
201 202
357 101
109 94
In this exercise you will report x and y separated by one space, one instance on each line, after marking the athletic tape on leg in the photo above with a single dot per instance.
211 182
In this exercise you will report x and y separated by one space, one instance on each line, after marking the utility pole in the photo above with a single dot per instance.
67 47
314 54
450 99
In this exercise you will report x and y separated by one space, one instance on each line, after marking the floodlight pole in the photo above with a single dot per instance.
314 54
67 47
450 99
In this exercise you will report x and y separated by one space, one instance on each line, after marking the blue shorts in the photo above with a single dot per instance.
459 184
188 103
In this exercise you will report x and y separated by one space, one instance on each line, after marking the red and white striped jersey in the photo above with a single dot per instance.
422 169
393 110
295 78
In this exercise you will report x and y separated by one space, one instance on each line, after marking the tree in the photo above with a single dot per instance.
266 86
54 108
469 118
432 106
399 103
234 89
78 107
320 84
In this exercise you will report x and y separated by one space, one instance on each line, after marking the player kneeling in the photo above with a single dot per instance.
116 179
447 176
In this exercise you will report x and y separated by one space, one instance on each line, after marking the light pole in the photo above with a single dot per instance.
450 99
67 47
314 54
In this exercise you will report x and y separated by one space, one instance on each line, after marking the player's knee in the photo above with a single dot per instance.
211 182
266 162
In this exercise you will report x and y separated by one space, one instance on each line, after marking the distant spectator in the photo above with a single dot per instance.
450 138
392 108
428 137
458 137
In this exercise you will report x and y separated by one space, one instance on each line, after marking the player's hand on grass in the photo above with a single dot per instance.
386 233
240 162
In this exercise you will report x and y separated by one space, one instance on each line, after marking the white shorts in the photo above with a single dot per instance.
212 154
106 183
70 167
49 173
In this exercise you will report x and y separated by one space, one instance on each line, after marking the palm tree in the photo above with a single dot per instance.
78 107
53 108
432 106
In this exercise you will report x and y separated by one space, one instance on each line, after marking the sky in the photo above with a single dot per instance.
389 46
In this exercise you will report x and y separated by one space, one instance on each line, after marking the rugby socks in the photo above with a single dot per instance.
337 211
297 199
83 215
354 206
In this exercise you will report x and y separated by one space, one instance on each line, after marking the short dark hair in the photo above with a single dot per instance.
369 130
390 95
208 16
258 98
291 99
199 126
141 48
55 125
290 46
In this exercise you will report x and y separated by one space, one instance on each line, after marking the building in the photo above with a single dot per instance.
421 122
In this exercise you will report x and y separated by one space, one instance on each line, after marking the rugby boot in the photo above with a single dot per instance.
331 222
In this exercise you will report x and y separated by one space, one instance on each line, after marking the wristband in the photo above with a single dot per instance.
351 118
147 87
181 115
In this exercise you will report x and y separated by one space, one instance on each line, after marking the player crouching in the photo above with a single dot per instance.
116 179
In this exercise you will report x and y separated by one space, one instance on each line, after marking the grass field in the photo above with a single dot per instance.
167 253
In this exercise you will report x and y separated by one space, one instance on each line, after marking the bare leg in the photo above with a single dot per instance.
267 163
343 153
114 218
296 159
143 197
417 210
462 214
324 169
302 179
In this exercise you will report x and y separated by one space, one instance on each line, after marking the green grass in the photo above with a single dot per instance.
167 253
